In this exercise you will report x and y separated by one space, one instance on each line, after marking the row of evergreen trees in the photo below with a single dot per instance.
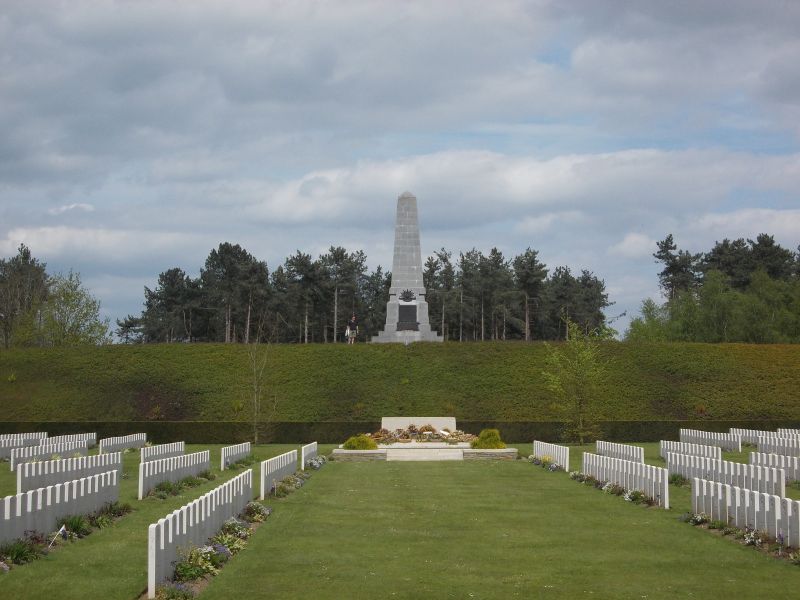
471 297
739 291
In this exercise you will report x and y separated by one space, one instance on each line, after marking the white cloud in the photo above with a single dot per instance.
634 246
81 206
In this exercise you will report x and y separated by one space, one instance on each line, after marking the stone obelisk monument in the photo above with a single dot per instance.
407 311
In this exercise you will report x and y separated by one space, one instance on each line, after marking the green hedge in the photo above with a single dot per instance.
223 432
494 381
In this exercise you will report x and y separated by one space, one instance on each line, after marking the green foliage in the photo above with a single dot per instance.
360 442
77 524
255 512
575 372
678 479
488 439
20 551
69 316
482 383
194 564
232 542
740 291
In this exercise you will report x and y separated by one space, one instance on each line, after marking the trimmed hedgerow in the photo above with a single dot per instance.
494 382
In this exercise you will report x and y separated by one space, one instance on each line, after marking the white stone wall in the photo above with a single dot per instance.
307 452
90 438
116 444
559 454
687 448
653 481
623 451
33 475
726 441
171 469
36 435
7 445
192 525
40 509
752 477
275 469
789 446
789 464
230 454
747 508
161 451
46 451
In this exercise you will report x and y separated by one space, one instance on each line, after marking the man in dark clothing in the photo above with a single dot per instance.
352 329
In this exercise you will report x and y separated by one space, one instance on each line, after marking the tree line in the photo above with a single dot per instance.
472 296
741 290
41 309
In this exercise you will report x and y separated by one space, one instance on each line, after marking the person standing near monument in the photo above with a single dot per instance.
352 329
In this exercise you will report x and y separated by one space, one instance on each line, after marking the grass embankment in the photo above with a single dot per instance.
111 563
477 381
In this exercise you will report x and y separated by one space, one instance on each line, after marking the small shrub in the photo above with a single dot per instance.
360 442
174 591
20 551
698 519
196 563
717 524
255 512
635 496
100 520
207 475
236 528
168 488
117 509
190 481
729 530
613 488
12 378
755 537
487 440
678 479
317 462
77 524
221 554
243 462
233 543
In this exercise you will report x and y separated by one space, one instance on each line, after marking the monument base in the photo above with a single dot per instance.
406 337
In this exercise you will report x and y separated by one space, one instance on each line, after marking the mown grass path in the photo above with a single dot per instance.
485 530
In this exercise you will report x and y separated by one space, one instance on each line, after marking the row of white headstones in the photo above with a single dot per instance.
742 495
79 485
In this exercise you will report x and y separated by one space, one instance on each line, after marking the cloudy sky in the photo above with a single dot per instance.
137 136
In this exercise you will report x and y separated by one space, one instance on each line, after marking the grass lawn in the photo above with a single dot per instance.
444 530
486 530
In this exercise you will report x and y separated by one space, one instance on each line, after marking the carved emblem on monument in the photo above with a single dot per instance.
407 296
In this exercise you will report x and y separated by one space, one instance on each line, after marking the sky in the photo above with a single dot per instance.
137 136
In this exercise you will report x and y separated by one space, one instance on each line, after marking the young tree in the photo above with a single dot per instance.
71 315
574 372
23 286
651 326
